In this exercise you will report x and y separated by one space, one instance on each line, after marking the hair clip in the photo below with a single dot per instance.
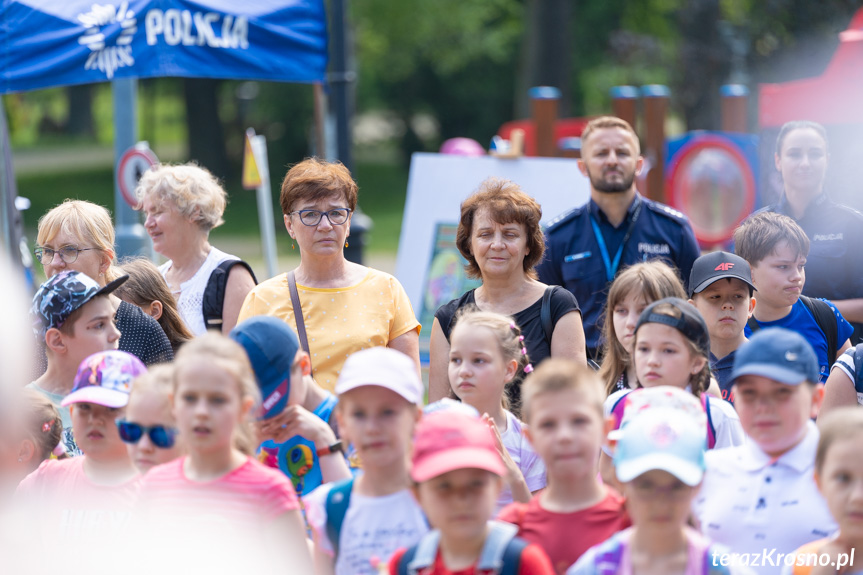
528 368
524 351
512 326
46 427
521 338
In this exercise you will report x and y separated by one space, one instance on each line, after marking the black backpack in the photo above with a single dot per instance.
824 317
214 294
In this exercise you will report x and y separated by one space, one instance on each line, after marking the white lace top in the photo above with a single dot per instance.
191 296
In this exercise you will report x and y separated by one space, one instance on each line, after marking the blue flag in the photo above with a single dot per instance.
46 43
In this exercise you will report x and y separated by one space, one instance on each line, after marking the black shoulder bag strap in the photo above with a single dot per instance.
213 301
298 313
827 321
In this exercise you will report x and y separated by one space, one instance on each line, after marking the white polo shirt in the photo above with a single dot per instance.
752 504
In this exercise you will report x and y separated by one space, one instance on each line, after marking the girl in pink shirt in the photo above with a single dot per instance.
217 503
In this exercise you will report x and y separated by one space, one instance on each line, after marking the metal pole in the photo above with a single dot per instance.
340 77
132 239
265 204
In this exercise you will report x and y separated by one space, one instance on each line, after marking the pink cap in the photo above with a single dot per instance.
448 440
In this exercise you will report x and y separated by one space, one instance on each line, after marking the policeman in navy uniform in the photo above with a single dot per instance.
834 268
589 245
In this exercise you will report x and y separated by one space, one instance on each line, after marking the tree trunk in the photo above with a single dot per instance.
206 137
80 122
706 62
546 53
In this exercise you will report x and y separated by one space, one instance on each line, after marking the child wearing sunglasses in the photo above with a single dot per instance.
81 501
149 428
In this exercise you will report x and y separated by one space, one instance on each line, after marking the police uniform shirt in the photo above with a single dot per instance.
573 258
834 268
754 504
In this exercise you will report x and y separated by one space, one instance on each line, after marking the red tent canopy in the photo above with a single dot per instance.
833 98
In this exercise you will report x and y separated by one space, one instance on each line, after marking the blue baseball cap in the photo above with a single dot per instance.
661 438
271 345
778 354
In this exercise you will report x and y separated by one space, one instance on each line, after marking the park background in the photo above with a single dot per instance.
427 70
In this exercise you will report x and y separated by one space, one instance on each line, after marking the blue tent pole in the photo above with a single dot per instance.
132 239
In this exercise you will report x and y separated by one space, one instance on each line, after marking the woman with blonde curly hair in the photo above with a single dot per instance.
182 204
500 237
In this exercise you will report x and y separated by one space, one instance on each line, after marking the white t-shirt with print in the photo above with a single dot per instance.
521 451
373 527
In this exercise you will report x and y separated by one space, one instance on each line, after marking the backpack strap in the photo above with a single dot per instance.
545 313
858 367
420 556
338 501
753 324
501 552
711 429
213 301
826 319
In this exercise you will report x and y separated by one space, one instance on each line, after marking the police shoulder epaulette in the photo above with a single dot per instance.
666 211
564 218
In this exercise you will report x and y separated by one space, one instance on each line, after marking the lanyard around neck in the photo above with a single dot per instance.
612 266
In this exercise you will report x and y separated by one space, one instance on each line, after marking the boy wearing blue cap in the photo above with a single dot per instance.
297 420
760 498
73 317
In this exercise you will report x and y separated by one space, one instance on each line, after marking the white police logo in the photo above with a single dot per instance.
99 23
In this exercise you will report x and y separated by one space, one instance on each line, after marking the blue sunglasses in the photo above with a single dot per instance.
161 436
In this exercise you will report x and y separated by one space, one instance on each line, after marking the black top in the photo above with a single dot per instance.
528 320
140 335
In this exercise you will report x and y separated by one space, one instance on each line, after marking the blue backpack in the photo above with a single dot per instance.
500 555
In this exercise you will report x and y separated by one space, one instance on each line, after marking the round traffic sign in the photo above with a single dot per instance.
134 162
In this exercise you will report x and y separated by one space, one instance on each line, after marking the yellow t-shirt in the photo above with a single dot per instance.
339 321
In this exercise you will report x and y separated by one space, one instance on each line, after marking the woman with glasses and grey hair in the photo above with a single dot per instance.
337 307
79 236
182 204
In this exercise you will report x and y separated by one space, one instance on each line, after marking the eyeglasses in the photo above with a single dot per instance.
161 436
68 253
336 216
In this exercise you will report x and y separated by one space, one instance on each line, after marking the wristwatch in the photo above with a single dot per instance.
336 447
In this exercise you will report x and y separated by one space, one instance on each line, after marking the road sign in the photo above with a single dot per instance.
133 163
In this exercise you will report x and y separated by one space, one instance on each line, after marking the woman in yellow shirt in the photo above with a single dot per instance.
345 306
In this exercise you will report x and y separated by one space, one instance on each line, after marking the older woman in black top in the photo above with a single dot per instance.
500 236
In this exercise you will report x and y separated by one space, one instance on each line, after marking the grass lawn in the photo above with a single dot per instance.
383 188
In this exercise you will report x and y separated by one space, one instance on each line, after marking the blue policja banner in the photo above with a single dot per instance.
47 43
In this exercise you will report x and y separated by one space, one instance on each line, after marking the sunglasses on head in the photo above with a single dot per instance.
161 436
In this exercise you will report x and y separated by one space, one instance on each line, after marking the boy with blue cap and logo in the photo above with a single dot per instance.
760 498
296 423
73 317
659 461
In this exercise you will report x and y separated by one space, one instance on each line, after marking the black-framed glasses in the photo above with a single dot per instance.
67 253
161 436
336 216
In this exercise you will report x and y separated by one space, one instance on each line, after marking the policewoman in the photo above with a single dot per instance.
588 246
834 269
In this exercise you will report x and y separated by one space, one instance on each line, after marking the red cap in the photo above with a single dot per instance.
448 440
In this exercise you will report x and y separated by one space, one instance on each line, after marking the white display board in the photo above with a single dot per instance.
438 184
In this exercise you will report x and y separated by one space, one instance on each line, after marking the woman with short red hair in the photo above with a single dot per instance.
343 306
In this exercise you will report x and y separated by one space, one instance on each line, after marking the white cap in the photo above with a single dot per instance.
383 367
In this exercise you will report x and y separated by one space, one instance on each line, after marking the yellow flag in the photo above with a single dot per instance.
251 175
